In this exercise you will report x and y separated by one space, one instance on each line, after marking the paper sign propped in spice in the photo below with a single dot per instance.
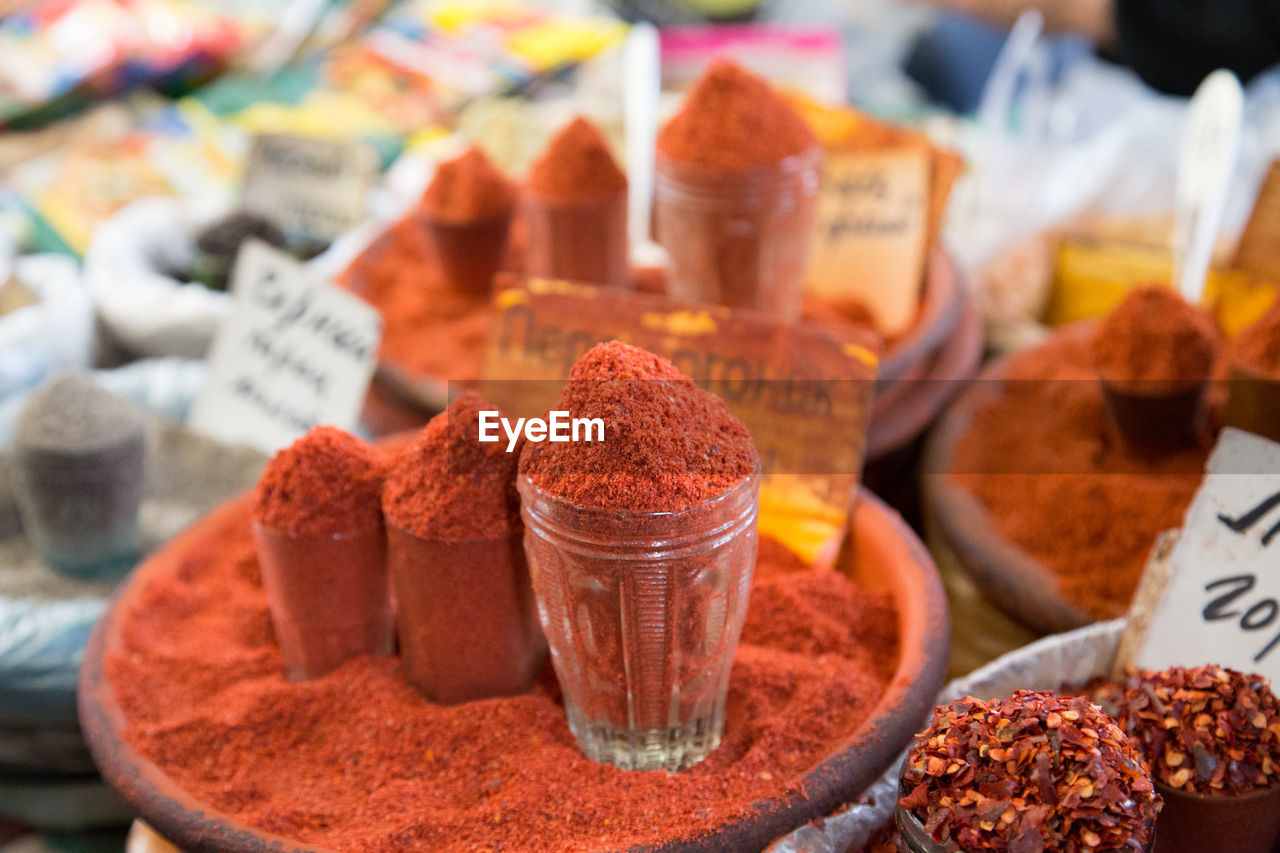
295 352
312 188
1222 603
871 232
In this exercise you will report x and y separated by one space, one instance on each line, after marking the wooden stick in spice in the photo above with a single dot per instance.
317 529
467 619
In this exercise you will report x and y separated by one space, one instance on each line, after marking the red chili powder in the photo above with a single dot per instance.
468 188
325 483
447 485
668 445
429 328
735 120
1057 481
1258 346
576 166
358 761
1155 340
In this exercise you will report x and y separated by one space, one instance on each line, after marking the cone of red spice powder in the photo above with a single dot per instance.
736 190
642 547
467 209
1154 353
1253 402
575 208
467 619
317 529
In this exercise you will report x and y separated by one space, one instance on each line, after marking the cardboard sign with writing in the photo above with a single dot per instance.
312 188
804 391
872 230
295 352
1222 602
1259 248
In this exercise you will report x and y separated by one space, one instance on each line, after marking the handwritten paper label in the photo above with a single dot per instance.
1222 602
1259 248
312 188
869 241
803 391
295 352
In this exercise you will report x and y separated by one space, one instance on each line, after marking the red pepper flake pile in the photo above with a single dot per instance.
1056 491
1033 772
358 761
326 483
468 188
1258 346
1155 341
576 166
735 120
668 444
1207 730
447 485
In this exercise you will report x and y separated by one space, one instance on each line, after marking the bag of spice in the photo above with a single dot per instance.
1032 772
575 209
467 209
317 529
736 191
467 618
642 548
1212 737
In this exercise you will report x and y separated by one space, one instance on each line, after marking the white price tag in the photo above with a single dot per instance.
294 352
1222 604
313 188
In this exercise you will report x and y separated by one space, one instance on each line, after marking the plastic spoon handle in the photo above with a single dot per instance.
640 112
1207 158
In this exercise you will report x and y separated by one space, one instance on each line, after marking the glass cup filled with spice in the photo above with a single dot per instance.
735 195
575 209
467 209
318 533
79 469
1212 737
467 620
642 548
1034 771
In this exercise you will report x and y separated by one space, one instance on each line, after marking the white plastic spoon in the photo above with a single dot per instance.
642 81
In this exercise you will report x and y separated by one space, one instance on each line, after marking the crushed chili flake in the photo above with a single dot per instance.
1206 730
358 761
1033 772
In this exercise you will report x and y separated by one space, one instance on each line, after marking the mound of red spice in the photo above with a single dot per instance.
325 483
576 166
1035 771
668 444
1205 730
429 327
468 188
1057 490
447 485
358 761
1155 341
735 120
1257 348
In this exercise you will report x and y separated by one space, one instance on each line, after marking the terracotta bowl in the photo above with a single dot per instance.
881 553
1012 581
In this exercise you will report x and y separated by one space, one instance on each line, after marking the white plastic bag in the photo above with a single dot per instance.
55 332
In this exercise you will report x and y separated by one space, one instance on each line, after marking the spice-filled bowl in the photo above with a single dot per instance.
1028 515
522 744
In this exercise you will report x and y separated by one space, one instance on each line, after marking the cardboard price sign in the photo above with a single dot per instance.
804 391
1222 601
295 352
312 188
872 230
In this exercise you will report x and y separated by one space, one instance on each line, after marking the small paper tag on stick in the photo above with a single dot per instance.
1146 598
314 189
873 223
1222 601
295 352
